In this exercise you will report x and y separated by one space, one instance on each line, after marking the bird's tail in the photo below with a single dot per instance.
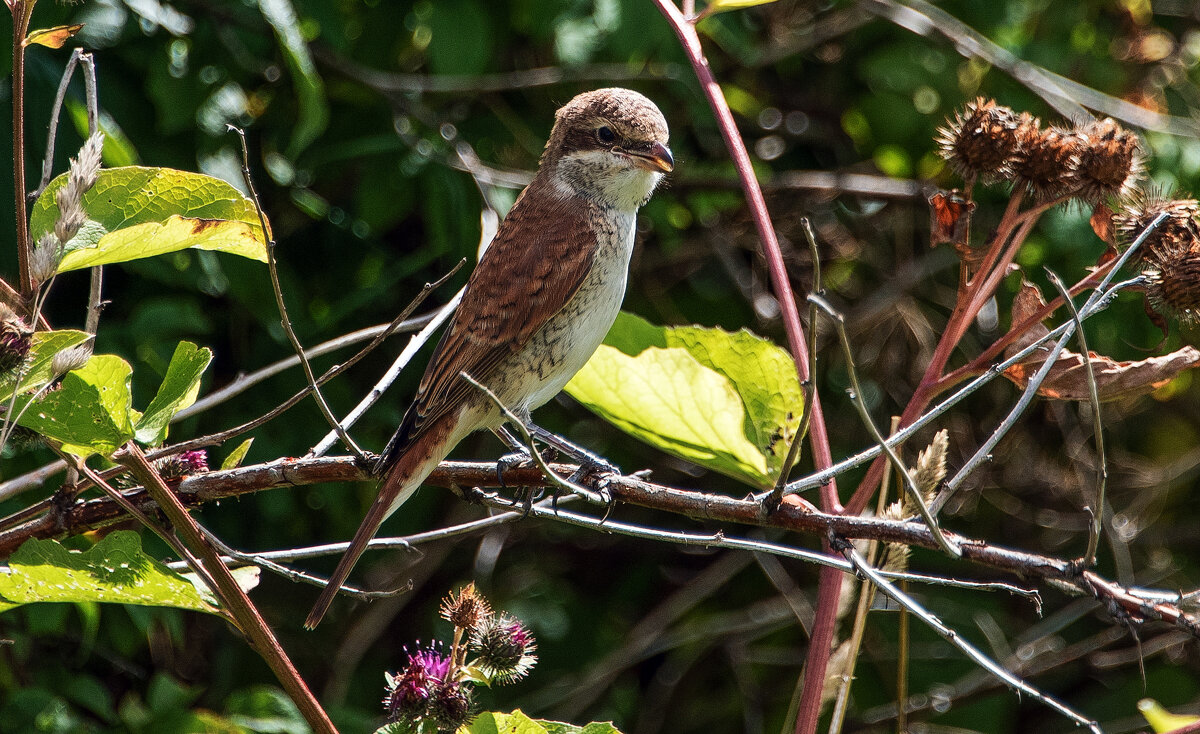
421 456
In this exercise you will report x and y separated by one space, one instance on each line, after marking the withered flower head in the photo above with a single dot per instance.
1174 235
466 609
1046 161
1110 162
980 141
1173 285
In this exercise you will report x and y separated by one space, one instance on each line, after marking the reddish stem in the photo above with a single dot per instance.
21 11
829 588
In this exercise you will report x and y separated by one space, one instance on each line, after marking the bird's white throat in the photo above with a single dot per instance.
607 178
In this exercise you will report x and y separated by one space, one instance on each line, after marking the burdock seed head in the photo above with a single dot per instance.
980 141
1046 161
1176 234
1173 285
1110 162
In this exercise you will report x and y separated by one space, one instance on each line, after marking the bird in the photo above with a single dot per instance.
540 301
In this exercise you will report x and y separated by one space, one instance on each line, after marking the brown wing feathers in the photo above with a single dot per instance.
513 292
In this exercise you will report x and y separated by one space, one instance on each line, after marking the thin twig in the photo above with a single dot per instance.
1089 556
856 397
87 63
284 321
866 569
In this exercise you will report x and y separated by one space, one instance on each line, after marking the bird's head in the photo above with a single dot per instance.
609 145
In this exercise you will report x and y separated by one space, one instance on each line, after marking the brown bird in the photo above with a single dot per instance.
540 301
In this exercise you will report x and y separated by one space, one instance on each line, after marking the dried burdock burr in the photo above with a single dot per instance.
1110 162
980 141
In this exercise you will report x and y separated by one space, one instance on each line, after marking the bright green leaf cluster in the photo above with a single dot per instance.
728 401
92 411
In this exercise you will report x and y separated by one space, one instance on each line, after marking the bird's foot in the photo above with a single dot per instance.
521 459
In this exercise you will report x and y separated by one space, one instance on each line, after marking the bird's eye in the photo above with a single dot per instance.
605 134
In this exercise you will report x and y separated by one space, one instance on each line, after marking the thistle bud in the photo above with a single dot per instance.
15 340
504 648
180 466
452 706
410 693
980 141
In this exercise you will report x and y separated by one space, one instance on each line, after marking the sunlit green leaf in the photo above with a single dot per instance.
731 402
115 570
179 388
92 413
137 212
234 460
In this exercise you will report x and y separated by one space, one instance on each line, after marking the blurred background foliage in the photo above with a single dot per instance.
354 110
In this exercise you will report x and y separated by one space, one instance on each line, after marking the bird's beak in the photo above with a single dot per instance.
657 157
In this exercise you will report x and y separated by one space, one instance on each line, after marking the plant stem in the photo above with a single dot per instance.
21 11
249 621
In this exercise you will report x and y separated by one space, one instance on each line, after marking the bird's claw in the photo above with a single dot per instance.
518 458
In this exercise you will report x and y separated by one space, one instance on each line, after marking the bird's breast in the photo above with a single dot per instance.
569 338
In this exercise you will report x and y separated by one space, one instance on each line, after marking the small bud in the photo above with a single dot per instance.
70 359
186 463
1173 286
452 707
504 648
980 141
15 340
1173 236
467 609
1110 162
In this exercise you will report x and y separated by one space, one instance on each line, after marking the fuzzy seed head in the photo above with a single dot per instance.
70 359
466 609
1110 163
1173 285
1173 236
980 141
43 264
1047 161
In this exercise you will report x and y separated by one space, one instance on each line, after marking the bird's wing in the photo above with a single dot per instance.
534 266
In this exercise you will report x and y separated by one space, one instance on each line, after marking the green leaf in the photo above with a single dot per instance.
92 413
179 388
234 460
310 90
135 212
494 722
115 570
721 6
728 401
43 347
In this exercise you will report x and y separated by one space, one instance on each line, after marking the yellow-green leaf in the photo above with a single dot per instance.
235 458
53 37
114 570
1161 720
37 372
728 401
721 6
92 413
135 212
